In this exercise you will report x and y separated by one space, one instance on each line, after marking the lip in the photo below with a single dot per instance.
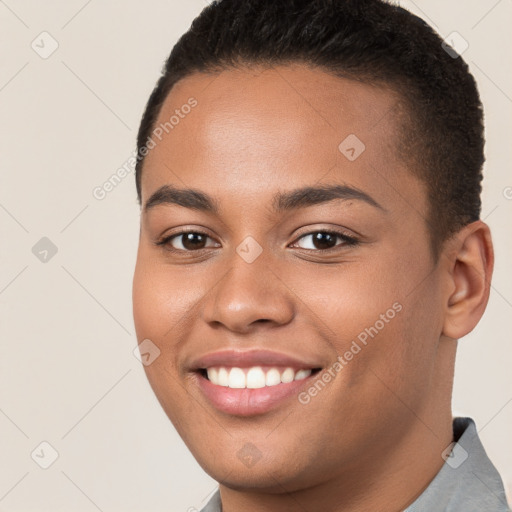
245 401
248 358
250 402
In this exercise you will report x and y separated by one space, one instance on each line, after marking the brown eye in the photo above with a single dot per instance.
187 241
325 240
192 241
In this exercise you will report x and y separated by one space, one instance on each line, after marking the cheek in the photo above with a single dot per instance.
166 305
399 339
163 298
155 314
379 314
159 305
345 301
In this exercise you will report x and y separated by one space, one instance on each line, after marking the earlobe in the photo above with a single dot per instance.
471 263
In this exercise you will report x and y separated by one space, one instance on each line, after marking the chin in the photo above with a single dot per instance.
270 475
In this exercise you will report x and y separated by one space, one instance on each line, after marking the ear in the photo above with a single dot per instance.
470 264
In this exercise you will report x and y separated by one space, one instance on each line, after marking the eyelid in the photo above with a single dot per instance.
339 230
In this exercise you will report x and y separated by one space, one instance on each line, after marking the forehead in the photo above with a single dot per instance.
273 127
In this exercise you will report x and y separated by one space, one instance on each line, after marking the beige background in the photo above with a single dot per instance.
67 372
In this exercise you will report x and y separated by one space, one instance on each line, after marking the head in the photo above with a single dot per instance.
284 121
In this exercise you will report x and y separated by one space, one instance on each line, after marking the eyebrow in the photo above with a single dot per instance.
282 201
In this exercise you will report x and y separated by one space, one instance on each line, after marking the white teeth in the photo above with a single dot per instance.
223 377
236 378
273 377
254 377
287 375
213 374
302 374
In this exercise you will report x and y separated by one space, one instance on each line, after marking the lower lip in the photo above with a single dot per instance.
248 402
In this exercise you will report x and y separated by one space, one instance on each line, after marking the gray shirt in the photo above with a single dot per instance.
467 482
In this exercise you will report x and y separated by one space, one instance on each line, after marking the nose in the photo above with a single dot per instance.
249 295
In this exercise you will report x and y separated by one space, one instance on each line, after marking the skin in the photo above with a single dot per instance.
372 439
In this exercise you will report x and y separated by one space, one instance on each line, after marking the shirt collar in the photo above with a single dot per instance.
467 481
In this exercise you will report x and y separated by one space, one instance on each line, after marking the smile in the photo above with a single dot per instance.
254 377
252 382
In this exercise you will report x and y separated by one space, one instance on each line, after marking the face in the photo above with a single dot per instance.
297 326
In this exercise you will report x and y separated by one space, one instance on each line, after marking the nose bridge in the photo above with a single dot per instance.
249 291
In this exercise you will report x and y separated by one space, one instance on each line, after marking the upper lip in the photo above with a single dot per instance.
254 357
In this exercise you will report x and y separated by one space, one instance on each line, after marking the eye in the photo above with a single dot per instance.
186 241
191 241
325 240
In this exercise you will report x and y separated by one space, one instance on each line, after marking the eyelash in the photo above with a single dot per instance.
348 241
